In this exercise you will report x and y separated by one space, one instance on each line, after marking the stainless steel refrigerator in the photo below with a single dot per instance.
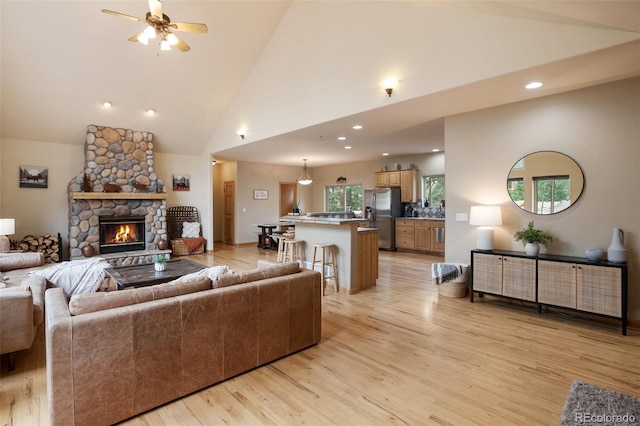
386 207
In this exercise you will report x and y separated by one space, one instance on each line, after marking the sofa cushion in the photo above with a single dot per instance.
9 261
92 302
85 303
270 272
181 286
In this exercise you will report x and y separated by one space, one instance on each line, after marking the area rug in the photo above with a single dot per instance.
588 404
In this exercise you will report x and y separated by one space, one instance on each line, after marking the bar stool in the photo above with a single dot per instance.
327 259
281 238
292 250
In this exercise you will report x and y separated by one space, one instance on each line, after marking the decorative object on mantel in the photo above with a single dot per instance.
140 187
86 184
616 252
593 254
531 238
112 187
159 262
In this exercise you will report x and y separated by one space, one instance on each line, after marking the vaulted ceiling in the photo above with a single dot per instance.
296 75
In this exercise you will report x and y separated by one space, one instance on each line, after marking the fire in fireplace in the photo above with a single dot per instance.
118 234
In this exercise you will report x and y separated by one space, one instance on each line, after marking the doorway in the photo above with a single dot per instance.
229 212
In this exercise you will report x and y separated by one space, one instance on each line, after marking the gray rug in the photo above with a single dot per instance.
591 405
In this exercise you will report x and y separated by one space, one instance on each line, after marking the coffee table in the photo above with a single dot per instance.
144 275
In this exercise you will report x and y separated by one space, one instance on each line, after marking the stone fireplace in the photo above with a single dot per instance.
118 184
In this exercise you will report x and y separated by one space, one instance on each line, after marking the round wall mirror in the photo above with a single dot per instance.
545 182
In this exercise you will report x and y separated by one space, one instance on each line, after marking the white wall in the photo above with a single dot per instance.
598 127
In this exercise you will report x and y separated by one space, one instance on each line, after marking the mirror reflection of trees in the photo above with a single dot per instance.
545 182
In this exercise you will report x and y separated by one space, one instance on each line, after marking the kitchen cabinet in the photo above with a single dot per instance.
573 283
405 234
388 179
409 186
420 234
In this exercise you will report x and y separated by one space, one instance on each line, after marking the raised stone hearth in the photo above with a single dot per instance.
118 180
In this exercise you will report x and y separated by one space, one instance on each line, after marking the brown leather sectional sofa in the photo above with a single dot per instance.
111 356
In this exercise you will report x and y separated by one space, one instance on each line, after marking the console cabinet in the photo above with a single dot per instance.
557 281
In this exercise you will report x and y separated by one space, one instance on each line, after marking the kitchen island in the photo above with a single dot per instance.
356 248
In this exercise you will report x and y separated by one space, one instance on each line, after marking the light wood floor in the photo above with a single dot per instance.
393 354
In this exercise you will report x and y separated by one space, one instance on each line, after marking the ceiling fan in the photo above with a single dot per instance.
159 25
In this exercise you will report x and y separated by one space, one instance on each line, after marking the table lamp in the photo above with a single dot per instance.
7 227
485 217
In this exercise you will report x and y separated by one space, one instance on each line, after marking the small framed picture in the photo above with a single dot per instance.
260 194
34 177
181 182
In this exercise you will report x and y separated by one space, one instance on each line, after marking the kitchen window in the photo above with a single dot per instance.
433 190
343 198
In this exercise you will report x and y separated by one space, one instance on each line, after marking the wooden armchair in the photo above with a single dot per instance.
187 239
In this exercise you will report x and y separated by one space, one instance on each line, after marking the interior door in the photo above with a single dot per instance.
288 194
229 212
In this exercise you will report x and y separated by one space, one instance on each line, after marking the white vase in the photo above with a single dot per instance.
159 267
593 254
532 249
616 252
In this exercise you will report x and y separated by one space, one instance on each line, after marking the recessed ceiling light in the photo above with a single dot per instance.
357 127
385 154
533 85
347 147
342 138
150 111
435 150
107 104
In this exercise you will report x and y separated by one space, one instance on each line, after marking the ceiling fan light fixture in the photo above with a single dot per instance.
172 39
150 32
142 38
165 45
304 178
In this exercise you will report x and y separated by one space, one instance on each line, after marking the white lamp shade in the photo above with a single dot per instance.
7 226
485 215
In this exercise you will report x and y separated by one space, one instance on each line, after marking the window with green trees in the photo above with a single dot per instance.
552 194
343 198
433 189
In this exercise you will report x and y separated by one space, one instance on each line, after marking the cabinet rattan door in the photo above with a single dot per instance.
519 278
487 273
599 290
557 283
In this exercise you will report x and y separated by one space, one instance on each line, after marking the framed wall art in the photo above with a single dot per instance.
260 194
181 182
34 177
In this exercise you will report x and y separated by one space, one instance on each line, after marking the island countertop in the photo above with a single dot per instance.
323 220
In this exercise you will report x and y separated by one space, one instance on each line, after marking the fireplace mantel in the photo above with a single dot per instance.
119 195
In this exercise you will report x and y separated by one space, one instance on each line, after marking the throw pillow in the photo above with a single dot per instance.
2 285
190 229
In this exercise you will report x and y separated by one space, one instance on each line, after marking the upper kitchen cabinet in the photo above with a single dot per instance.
388 179
409 186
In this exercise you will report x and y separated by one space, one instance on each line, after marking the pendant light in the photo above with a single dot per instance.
304 178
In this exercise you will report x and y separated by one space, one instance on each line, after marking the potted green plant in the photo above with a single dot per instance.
296 207
159 262
532 238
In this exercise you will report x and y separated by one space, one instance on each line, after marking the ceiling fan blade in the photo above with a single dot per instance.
155 7
122 15
189 27
135 37
184 47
